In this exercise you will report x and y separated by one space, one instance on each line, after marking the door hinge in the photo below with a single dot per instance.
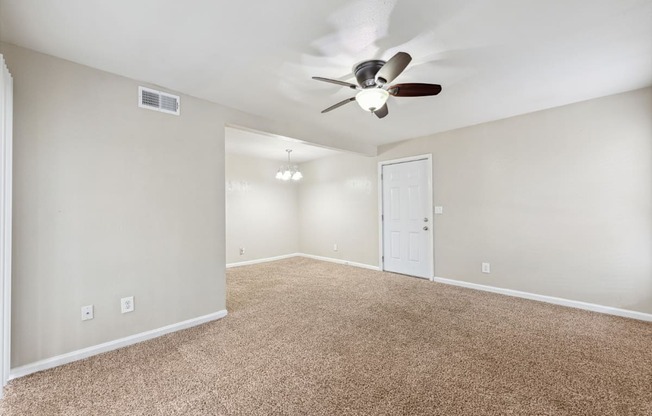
382 217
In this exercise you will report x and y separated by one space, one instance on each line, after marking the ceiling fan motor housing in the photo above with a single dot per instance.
365 72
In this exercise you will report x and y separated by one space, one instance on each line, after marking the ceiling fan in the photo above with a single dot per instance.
373 77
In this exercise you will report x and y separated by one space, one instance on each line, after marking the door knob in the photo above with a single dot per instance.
425 228
425 220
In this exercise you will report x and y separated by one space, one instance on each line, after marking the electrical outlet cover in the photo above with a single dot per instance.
87 312
127 304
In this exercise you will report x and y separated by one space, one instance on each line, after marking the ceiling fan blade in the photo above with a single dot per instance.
393 68
341 103
382 111
414 90
334 81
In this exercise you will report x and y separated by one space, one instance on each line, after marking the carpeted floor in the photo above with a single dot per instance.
305 337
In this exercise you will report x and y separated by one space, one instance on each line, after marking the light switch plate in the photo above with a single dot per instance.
439 210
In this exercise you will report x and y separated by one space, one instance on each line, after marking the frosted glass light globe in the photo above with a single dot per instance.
372 99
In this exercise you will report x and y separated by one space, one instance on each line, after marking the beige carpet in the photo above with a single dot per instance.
308 337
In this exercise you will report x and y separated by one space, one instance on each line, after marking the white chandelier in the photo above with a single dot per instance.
289 171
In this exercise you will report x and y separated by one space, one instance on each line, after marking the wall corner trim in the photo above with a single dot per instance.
609 310
111 345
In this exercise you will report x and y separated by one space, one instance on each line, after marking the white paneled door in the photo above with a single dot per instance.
407 218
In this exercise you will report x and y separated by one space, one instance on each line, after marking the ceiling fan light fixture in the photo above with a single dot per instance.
372 99
372 76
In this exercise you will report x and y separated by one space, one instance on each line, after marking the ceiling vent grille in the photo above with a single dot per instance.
159 101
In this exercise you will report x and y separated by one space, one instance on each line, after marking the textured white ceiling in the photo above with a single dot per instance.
494 58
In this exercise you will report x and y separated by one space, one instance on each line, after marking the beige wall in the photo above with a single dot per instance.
338 205
261 211
558 201
110 200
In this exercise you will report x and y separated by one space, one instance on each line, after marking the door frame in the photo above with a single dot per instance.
428 158
6 168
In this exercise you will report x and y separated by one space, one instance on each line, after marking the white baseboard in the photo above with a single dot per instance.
339 261
257 261
509 292
550 299
111 345
310 256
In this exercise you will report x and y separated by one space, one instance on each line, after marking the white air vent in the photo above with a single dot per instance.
159 101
